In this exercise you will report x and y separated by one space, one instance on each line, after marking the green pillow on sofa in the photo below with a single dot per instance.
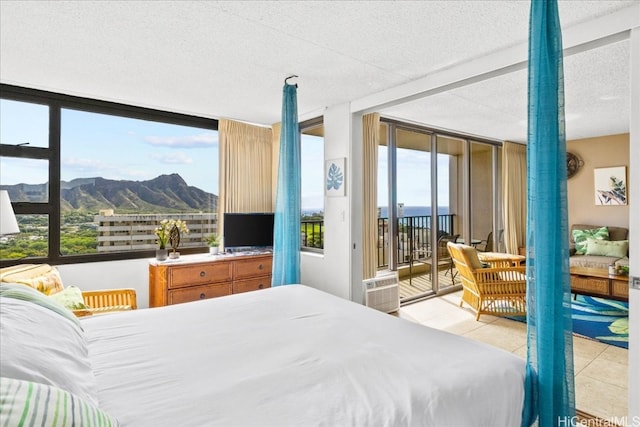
580 237
612 248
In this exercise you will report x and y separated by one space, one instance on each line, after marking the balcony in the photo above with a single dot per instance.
413 252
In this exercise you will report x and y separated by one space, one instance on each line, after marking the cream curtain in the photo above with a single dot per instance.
370 141
275 155
514 195
245 169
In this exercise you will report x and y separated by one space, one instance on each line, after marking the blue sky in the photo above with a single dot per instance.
109 147
97 145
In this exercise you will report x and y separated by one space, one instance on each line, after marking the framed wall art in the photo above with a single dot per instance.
335 177
610 186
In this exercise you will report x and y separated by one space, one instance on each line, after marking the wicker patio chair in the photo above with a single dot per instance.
500 291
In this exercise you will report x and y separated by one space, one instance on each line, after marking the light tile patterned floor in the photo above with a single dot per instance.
601 370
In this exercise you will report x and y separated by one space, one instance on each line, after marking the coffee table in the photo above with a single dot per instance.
598 282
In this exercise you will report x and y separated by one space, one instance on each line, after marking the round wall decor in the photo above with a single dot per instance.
574 163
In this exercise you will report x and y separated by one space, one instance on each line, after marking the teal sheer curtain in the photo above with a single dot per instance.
550 381
286 232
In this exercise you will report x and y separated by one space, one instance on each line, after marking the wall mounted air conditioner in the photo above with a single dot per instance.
382 292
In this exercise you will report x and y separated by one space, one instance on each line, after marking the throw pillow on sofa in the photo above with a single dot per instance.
42 277
610 248
71 298
580 237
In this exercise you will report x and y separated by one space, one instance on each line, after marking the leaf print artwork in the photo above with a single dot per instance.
334 177
610 186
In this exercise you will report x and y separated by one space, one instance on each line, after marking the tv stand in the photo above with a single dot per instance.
194 277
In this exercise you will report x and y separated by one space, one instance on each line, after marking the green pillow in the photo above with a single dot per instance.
612 248
580 237
71 298
26 403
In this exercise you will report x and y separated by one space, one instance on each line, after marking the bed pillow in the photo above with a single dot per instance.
27 293
28 403
611 248
580 237
42 343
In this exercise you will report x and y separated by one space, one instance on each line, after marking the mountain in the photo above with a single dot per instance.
165 193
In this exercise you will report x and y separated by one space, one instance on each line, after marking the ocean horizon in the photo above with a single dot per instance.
408 211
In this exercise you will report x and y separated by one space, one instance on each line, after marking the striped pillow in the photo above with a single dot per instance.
26 403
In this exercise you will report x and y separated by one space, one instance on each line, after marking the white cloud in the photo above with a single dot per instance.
177 158
203 140
79 163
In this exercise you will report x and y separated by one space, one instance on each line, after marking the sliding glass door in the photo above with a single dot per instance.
433 187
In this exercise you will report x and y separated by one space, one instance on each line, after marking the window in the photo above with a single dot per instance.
90 180
312 184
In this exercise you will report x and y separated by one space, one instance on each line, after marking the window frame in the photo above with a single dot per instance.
308 124
56 102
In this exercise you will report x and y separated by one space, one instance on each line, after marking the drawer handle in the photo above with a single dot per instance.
260 267
260 286
202 296
202 274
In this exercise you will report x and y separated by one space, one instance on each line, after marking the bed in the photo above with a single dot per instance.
285 356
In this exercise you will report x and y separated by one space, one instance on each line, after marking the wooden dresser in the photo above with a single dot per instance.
195 277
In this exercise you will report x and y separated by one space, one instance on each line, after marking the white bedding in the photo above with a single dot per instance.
295 356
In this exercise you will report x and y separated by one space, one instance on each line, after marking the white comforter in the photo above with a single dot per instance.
295 356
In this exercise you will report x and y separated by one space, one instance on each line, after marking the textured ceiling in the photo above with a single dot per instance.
229 59
596 100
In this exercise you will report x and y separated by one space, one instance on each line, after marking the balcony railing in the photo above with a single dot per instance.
312 233
413 235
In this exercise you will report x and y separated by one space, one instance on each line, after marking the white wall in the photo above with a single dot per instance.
110 275
634 232
331 271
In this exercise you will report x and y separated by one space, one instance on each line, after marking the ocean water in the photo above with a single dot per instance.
408 211
415 211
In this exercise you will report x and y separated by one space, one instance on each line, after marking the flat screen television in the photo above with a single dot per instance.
248 230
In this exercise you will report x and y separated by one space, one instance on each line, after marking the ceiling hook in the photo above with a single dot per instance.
286 81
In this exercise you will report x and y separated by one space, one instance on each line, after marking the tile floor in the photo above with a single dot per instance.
600 369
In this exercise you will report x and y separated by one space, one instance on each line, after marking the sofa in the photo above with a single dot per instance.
597 246
46 279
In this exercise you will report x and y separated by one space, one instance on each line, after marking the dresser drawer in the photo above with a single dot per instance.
247 268
181 276
195 293
251 284
593 285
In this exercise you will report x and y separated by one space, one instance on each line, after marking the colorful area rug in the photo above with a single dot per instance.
599 319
